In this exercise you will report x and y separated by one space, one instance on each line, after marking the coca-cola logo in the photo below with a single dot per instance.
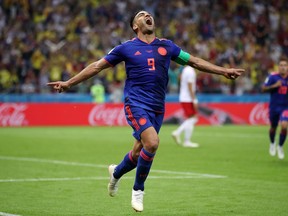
105 115
259 114
12 114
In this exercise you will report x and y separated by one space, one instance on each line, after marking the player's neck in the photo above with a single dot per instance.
147 38
283 75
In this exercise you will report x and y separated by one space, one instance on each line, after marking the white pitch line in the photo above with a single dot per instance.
7 214
97 178
54 179
52 161
188 173
37 160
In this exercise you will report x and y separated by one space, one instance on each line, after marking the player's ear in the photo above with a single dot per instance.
135 27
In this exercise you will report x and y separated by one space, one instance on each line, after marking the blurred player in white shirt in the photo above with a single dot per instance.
189 104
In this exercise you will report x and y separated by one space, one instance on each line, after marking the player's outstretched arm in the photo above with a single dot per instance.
205 66
271 87
88 72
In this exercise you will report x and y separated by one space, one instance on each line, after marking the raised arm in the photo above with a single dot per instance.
205 66
88 72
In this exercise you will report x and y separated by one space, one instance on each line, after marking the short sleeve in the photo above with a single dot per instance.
191 75
115 56
175 50
269 81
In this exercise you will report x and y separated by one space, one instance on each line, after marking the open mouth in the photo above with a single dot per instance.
148 21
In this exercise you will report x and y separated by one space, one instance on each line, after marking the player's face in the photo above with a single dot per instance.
283 67
144 22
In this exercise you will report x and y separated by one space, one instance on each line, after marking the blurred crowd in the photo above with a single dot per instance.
51 40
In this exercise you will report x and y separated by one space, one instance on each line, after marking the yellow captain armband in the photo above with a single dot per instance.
182 58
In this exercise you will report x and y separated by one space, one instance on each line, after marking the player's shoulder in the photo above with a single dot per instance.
274 73
189 69
123 46
127 42
164 40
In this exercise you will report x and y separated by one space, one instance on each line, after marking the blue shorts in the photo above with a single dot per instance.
275 116
140 119
284 115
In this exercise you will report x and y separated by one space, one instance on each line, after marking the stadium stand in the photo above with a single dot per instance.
43 41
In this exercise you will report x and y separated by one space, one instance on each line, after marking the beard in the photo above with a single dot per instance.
148 31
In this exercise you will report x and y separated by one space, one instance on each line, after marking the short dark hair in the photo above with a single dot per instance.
283 58
132 19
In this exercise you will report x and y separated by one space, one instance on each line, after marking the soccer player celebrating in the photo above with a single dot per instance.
277 83
147 59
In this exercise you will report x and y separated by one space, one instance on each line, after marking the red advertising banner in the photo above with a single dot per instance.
81 114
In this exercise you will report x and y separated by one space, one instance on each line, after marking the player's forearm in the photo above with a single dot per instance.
205 66
88 72
268 88
85 74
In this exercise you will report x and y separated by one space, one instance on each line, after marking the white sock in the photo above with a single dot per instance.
184 124
189 128
181 128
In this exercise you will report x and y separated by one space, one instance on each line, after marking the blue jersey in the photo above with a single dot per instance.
278 96
146 70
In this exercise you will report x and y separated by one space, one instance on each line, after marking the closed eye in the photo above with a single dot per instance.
142 14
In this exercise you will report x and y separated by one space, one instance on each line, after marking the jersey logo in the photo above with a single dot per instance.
149 51
162 51
137 53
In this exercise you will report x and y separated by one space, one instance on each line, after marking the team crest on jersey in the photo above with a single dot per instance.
162 51
142 121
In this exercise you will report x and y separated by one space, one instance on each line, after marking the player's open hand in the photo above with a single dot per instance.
233 73
59 86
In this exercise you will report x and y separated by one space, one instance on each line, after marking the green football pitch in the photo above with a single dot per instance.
63 171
